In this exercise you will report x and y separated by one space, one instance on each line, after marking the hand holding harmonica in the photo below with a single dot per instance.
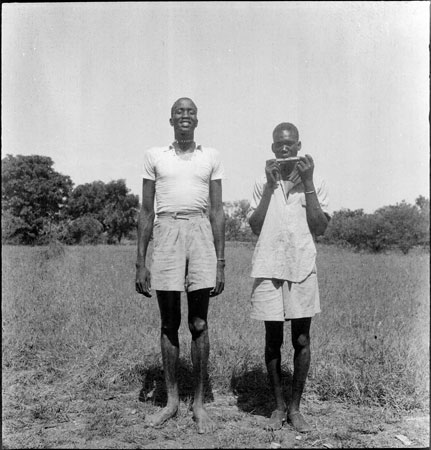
276 167
279 168
305 168
272 171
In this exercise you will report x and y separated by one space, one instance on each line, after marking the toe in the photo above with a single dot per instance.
276 420
298 422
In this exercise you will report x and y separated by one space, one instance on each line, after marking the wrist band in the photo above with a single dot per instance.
220 259
310 192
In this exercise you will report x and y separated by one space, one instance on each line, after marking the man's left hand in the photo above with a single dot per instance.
218 289
305 167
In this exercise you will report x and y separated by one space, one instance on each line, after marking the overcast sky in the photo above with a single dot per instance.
91 86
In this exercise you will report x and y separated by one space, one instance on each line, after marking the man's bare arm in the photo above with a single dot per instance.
145 229
317 220
258 217
217 220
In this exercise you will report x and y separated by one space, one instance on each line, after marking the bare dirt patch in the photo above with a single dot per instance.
117 421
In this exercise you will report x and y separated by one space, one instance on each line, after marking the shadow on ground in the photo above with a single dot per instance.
154 388
254 393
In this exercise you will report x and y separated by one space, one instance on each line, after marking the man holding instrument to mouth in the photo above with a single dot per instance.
289 208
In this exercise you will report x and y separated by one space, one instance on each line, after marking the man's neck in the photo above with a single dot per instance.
185 144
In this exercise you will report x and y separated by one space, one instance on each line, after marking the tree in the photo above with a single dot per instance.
424 213
34 193
237 228
120 211
87 199
111 204
423 204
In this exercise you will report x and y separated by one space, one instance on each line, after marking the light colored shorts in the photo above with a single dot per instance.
184 257
280 300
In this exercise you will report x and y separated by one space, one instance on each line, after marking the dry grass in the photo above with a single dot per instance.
73 326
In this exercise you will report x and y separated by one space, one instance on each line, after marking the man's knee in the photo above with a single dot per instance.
170 330
197 326
272 351
301 341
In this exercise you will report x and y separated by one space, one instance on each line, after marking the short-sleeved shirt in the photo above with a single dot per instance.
182 181
285 249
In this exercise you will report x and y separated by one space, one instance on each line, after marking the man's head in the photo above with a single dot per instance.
184 116
285 138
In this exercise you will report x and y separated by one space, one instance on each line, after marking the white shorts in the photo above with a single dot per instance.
184 257
280 300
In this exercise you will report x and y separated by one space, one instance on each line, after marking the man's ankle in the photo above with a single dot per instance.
198 404
173 403
293 409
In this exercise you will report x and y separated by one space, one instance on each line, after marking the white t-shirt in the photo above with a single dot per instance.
182 181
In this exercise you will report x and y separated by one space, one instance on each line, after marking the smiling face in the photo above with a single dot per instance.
184 118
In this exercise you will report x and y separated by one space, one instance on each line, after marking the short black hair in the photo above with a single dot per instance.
286 126
182 98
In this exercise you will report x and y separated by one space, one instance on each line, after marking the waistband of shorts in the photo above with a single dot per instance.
180 215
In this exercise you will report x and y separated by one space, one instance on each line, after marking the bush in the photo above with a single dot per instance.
370 232
405 226
401 226
237 227
84 230
15 230
340 226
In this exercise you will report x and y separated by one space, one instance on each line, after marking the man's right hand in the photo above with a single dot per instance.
143 281
272 171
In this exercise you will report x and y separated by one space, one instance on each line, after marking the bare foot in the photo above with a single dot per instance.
298 422
278 417
204 423
158 419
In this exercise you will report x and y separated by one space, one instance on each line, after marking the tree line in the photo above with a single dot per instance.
40 205
401 226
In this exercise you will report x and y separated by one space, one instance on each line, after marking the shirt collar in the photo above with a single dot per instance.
171 147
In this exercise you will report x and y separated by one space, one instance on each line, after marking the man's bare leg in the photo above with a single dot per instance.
198 302
301 364
170 312
273 342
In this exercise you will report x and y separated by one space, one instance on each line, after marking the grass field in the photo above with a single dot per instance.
73 325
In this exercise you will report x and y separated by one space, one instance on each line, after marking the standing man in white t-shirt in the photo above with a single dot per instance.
185 179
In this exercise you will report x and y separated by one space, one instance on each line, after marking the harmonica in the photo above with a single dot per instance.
290 159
